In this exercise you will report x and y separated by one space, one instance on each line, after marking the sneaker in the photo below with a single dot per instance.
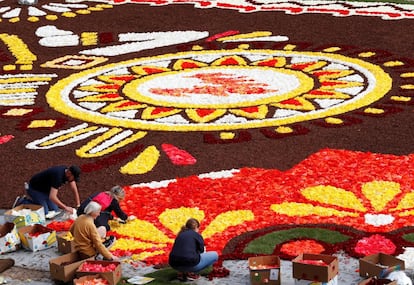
109 241
192 276
181 276
52 214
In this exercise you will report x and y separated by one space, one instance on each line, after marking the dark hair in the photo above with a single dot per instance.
191 224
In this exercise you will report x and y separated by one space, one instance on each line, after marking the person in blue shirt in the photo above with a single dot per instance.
188 255
44 186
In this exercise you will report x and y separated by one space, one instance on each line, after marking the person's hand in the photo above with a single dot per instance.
131 218
70 210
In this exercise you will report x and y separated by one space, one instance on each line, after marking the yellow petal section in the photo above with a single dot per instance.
333 196
227 219
174 219
142 230
145 255
302 209
143 163
379 193
130 244
407 202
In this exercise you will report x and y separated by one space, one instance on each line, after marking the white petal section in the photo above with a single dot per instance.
80 94
230 119
325 103
219 174
13 13
144 41
60 41
281 113
50 30
33 11
175 119
56 9
155 184
378 219
123 114
91 105
263 39
353 78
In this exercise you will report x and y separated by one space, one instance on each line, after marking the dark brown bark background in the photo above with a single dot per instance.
391 134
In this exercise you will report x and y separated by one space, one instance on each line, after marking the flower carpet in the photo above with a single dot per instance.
280 125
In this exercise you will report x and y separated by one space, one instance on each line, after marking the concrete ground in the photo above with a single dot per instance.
33 268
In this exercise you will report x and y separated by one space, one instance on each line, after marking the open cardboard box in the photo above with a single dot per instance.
375 264
9 238
264 270
37 237
65 242
63 268
113 277
25 215
313 271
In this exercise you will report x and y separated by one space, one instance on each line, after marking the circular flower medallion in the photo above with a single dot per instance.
220 90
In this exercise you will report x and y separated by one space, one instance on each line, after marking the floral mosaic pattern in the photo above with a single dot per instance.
228 88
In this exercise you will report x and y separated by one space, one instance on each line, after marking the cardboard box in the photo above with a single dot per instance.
333 281
87 278
113 277
373 265
9 238
382 281
63 268
264 270
65 242
37 237
25 215
313 271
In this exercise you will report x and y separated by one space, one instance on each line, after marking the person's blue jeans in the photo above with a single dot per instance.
42 199
206 259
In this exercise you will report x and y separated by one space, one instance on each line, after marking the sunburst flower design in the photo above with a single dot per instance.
220 90
147 240
376 205
225 91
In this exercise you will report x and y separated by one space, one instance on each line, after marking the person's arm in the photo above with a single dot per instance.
117 209
74 187
98 245
54 198
200 243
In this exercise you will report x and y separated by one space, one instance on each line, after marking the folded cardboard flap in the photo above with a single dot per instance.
25 215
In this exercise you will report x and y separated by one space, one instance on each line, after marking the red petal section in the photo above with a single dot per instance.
178 156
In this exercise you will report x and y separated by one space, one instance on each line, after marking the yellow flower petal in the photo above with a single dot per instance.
302 209
227 219
143 230
334 196
130 244
379 193
174 219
